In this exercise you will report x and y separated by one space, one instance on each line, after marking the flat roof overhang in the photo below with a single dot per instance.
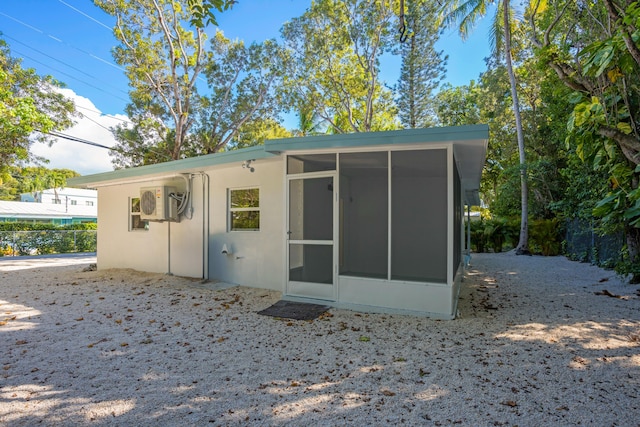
469 145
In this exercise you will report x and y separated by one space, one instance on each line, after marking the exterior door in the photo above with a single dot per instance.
311 252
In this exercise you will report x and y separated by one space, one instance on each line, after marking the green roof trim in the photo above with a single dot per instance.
175 166
272 148
395 137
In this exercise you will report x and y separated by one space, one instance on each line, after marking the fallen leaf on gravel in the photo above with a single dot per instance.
608 294
79 319
97 342
21 342
388 393
511 403
124 344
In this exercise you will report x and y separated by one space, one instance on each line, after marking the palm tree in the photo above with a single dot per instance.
465 13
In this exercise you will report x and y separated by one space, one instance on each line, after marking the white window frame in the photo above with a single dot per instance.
133 213
231 210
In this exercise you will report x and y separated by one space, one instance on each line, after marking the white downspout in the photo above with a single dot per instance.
169 249
467 256
205 224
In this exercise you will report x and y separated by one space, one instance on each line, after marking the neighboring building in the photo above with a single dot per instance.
46 213
369 221
63 196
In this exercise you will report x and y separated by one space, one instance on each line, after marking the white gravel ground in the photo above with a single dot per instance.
534 346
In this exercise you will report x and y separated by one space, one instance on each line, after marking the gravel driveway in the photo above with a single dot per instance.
539 342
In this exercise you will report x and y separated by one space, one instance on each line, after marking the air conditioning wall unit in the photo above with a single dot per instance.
157 204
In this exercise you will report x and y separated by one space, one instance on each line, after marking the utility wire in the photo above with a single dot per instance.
99 124
76 139
95 144
57 60
85 15
69 75
31 27
103 114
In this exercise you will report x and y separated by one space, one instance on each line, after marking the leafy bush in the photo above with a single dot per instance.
545 237
498 233
478 238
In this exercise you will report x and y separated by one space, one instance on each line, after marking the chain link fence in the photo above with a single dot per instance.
584 244
18 243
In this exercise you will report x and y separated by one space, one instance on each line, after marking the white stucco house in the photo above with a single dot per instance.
369 221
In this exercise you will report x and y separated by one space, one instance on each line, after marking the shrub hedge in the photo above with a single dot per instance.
18 238
499 234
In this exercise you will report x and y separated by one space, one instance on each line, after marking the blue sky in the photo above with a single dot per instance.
72 41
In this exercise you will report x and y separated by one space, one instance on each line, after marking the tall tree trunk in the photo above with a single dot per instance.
523 243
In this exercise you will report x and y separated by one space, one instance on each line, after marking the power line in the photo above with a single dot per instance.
31 27
80 140
99 124
95 144
57 60
102 114
85 15
70 76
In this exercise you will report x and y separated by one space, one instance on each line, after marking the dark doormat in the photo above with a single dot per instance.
294 310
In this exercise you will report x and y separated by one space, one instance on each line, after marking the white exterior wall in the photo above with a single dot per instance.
167 247
257 257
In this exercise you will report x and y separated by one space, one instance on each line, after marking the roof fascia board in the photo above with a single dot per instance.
169 168
397 137
271 148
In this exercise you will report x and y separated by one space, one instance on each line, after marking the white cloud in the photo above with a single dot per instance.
93 126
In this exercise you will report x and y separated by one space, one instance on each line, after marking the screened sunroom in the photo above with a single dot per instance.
378 225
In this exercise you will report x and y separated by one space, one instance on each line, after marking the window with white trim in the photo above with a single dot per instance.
136 223
244 209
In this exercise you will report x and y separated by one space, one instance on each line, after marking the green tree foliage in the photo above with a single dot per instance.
163 58
257 132
19 180
202 13
30 108
593 48
457 106
244 83
163 47
336 48
423 67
